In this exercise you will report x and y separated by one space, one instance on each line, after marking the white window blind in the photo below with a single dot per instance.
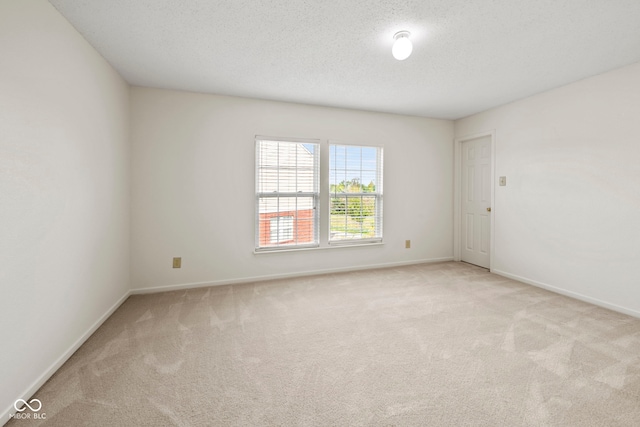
287 193
355 187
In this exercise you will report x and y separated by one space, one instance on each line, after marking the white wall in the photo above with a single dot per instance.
567 218
64 193
193 186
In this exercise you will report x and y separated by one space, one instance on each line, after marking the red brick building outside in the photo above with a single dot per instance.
286 227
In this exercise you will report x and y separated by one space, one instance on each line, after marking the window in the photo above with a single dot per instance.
287 193
290 206
355 191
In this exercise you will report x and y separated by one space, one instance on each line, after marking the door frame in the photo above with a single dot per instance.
457 192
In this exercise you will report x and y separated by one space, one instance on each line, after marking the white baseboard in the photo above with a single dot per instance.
281 276
571 294
33 388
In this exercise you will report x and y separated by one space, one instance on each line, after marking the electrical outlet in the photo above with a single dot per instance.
177 262
407 244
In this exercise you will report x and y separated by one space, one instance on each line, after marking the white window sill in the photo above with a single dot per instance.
334 246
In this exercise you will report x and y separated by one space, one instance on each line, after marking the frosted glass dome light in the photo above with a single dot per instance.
402 46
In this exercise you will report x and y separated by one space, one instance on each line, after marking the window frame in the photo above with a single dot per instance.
378 195
314 195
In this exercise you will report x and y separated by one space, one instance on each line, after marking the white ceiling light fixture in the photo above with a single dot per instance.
402 47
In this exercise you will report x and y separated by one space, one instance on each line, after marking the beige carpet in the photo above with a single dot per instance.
428 345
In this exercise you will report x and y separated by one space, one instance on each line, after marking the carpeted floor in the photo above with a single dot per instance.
427 345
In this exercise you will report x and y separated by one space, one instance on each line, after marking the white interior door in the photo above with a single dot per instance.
476 201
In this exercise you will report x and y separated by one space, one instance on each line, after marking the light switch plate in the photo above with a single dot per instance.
177 262
503 181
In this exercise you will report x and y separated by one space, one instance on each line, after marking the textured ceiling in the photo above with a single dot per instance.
468 56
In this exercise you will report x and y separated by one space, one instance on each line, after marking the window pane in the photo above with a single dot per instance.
369 181
286 220
353 218
281 229
337 156
369 158
353 156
